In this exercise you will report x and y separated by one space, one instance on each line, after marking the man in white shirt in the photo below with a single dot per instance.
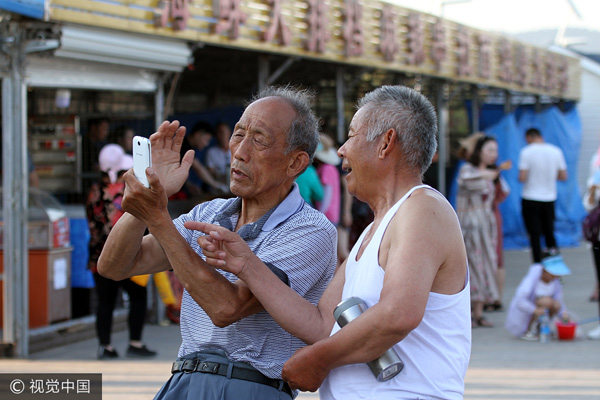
540 165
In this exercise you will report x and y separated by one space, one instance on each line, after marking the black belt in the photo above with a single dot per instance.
208 367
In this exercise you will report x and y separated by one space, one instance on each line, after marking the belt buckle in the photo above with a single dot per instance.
190 365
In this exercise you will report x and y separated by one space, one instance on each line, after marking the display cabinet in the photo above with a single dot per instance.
55 147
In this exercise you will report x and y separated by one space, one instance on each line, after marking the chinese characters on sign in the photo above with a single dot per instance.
317 26
485 51
536 74
521 62
178 10
504 50
550 73
438 46
462 40
278 25
416 34
563 75
353 31
230 17
411 38
389 46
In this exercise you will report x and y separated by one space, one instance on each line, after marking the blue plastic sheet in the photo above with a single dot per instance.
81 276
562 129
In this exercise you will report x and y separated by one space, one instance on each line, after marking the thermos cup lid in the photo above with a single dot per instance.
346 304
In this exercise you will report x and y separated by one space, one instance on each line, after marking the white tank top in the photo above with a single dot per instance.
435 354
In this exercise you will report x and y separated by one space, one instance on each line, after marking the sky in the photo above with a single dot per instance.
512 16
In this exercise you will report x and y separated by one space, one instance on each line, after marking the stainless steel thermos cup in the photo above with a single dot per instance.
389 364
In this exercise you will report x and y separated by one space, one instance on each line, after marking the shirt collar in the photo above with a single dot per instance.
271 219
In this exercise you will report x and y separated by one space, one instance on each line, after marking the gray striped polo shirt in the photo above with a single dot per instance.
298 243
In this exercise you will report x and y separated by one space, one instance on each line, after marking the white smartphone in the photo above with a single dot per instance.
142 158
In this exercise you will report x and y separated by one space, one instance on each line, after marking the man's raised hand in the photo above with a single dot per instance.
166 159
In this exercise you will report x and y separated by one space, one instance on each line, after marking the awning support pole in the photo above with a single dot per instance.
442 109
15 279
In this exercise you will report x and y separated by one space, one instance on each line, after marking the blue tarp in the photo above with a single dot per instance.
81 276
562 129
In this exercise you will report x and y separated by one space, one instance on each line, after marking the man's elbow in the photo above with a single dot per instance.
401 326
229 312
105 270
406 326
224 317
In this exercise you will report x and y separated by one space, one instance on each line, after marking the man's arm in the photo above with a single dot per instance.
562 175
562 172
523 173
226 250
523 165
128 254
412 270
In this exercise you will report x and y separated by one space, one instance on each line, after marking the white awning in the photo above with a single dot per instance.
53 72
92 58
123 48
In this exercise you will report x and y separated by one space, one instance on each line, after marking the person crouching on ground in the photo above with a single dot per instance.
539 292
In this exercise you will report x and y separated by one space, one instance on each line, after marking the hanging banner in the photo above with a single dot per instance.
358 32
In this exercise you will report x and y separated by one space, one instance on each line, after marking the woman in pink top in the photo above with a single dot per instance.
326 161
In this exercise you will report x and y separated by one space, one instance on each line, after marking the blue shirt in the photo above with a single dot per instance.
298 243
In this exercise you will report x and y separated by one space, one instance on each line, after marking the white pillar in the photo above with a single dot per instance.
442 109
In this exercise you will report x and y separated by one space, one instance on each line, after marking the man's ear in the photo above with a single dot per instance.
387 143
298 163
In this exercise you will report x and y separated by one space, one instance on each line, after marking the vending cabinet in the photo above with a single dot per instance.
55 146
49 260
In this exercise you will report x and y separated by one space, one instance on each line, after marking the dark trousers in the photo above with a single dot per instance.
539 220
107 291
207 386
596 252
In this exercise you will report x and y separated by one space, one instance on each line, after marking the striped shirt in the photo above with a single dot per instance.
296 242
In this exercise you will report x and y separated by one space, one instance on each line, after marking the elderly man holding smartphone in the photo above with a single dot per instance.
231 348
409 267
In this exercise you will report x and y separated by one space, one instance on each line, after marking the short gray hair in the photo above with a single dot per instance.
304 130
410 114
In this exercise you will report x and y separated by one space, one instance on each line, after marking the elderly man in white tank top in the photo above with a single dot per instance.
409 267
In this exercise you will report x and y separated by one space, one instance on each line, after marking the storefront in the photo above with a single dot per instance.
94 51
340 48
55 77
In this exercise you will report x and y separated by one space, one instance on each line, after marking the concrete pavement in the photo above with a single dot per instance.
501 367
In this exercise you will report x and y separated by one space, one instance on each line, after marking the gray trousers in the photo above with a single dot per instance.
206 386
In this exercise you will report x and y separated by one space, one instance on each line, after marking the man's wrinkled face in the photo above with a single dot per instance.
258 145
356 154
